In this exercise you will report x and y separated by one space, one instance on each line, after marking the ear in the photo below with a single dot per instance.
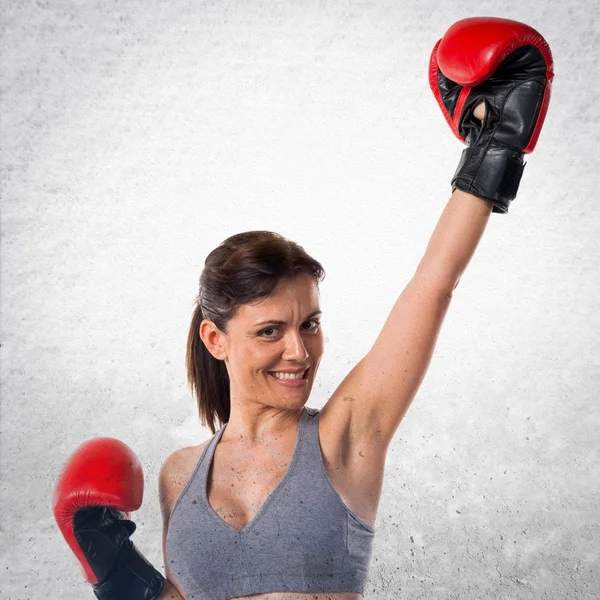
212 337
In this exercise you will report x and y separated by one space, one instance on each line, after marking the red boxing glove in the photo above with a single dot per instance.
101 483
509 66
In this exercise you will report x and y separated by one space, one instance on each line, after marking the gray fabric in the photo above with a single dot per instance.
303 539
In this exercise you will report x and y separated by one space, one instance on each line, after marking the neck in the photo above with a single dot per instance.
256 426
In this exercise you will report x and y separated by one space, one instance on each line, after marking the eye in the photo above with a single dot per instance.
265 330
316 323
314 329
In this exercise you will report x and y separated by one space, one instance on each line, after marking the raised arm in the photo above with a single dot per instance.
383 384
496 102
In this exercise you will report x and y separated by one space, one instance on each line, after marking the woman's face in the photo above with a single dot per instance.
280 333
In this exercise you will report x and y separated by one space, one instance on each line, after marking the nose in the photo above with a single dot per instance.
295 350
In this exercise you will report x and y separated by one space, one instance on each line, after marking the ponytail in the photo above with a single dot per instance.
207 376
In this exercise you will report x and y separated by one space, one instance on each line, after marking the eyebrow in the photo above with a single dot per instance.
274 322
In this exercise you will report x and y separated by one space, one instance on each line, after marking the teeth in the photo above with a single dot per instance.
288 375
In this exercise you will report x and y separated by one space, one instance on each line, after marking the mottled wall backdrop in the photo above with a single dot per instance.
138 135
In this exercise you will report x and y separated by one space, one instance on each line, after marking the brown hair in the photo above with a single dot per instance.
246 267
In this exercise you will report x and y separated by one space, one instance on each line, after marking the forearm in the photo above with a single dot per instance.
454 240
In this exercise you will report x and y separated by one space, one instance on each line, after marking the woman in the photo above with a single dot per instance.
280 504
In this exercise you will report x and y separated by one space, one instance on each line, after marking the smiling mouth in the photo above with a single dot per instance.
304 375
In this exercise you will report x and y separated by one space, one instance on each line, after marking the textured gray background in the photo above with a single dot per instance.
137 135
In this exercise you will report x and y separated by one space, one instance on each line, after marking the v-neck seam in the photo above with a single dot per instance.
261 512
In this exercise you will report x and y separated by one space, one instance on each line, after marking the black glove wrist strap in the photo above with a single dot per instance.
492 173
132 578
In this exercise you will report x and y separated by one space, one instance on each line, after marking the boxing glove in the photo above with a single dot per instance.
507 65
101 483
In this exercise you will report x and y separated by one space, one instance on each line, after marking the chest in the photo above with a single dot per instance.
238 485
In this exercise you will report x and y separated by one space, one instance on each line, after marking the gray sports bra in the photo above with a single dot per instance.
303 538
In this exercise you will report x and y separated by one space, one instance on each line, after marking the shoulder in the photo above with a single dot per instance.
175 473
